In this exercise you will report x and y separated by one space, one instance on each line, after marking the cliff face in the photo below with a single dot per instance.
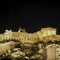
23 45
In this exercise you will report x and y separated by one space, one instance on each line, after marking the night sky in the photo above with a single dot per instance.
31 16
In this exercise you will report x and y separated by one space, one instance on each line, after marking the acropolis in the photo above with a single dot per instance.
41 45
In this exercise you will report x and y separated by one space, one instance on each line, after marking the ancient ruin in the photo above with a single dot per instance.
41 45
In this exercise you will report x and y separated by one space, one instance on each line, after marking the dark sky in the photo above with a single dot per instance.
29 15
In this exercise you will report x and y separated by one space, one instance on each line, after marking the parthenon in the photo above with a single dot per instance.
44 32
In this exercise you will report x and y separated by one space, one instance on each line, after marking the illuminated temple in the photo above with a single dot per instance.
41 45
